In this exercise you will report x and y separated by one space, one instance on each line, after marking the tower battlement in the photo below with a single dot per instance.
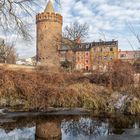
50 17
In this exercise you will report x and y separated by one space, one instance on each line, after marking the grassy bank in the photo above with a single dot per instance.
40 89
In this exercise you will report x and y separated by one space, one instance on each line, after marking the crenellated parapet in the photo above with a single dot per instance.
50 17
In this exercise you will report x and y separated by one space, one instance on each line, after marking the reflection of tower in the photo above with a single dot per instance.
50 130
49 27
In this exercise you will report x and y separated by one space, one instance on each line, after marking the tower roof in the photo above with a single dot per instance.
49 7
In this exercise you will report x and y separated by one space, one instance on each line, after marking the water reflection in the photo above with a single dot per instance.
85 127
18 134
48 130
71 128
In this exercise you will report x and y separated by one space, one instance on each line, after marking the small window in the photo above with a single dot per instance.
86 53
111 49
86 61
123 55
87 46
105 49
99 58
105 57
101 49
87 68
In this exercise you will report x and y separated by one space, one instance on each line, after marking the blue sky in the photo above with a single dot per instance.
107 20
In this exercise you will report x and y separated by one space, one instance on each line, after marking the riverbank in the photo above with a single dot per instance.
40 89
49 112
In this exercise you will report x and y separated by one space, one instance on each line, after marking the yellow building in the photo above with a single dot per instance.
90 56
103 52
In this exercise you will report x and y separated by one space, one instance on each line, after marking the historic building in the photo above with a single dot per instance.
86 56
89 56
129 56
49 27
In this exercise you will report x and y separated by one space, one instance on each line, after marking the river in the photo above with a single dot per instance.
116 127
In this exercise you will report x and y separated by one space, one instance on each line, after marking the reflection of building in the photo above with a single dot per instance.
90 55
129 56
49 27
50 130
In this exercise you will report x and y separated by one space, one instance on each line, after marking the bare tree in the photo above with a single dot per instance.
72 37
11 16
75 32
7 53
135 34
12 13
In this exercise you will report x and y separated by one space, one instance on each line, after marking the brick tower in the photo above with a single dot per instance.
49 28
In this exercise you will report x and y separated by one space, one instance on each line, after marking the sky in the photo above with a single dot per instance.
107 20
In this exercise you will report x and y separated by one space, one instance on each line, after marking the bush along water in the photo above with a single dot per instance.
40 89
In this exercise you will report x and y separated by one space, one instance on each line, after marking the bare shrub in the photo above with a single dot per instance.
137 65
119 74
39 90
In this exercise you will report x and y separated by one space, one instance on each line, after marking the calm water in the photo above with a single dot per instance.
70 128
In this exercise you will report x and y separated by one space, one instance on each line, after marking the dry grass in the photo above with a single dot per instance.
42 89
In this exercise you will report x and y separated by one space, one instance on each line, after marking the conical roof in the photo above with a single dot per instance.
49 7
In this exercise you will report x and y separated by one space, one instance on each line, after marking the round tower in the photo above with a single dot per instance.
49 29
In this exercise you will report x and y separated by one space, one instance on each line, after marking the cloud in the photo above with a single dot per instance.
107 19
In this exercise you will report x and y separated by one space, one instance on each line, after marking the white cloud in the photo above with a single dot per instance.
106 17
